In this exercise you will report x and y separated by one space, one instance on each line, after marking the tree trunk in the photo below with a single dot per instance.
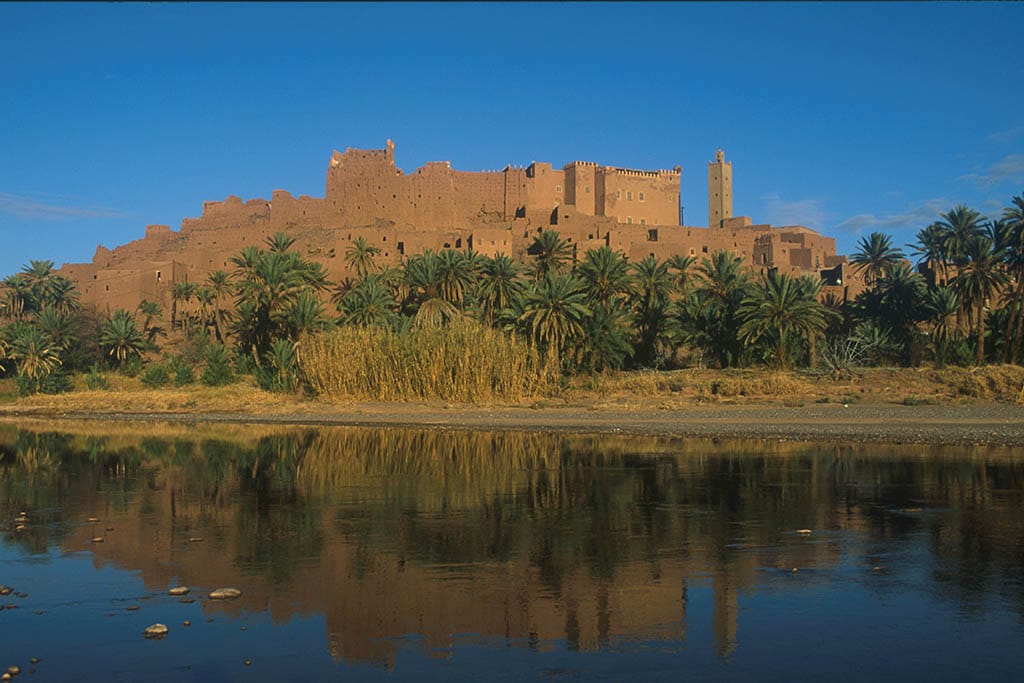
1014 356
981 334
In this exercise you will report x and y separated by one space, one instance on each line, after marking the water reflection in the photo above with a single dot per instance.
538 540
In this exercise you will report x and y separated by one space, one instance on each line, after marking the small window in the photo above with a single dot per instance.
629 196
629 219
618 194
643 221
652 235
587 189
158 276
692 252
641 196
401 247
558 188
704 249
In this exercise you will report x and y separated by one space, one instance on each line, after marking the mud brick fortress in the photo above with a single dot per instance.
437 207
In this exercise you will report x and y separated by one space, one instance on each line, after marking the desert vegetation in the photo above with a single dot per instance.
458 326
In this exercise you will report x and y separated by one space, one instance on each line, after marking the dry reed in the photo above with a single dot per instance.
464 361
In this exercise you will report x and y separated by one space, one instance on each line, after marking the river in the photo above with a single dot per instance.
413 554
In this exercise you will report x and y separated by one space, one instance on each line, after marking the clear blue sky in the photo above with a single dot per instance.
847 118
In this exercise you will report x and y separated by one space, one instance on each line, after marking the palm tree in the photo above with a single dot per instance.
680 266
219 284
960 224
369 302
650 286
942 305
455 274
979 279
899 295
931 250
554 311
550 252
608 336
150 329
361 256
120 338
39 276
59 327
35 354
783 311
708 318
17 296
305 314
424 277
1013 218
279 242
499 285
875 256
180 292
605 275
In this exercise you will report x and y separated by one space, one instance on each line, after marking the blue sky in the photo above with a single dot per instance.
847 118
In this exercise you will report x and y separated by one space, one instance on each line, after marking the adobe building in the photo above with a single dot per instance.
437 207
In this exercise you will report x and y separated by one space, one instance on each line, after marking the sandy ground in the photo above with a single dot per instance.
977 423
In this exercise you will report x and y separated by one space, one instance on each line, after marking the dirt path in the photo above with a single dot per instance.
996 424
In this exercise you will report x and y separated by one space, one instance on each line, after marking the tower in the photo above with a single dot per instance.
719 190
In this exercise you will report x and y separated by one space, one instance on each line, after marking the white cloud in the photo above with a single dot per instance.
1009 169
806 212
1002 137
51 208
914 217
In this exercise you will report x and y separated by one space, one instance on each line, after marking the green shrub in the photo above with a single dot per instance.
155 376
132 366
218 367
95 380
280 372
181 370
53 382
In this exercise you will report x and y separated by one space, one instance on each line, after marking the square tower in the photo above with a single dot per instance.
719 190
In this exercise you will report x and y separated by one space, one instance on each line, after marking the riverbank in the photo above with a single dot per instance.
951 406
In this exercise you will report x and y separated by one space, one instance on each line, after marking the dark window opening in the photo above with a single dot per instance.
704 249
652 235
401 247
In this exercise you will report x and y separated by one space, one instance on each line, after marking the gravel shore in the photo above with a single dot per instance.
994 424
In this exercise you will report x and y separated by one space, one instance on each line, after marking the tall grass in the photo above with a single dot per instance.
463 361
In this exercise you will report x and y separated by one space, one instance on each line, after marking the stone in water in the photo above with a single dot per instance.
155 631
225 594
179 590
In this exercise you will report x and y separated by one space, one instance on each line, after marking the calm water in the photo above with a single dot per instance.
405 554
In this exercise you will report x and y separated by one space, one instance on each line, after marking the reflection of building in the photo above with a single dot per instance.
389 533
436 207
